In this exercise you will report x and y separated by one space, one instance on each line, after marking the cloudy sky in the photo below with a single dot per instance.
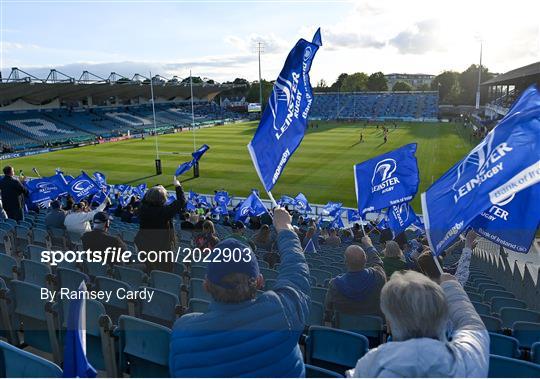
217 39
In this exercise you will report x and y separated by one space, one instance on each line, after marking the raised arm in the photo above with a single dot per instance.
292 284
179 204
470 340
462 271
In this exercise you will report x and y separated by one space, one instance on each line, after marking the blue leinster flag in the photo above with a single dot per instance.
400 217
82 186
386 180
512 223
284 120
506 162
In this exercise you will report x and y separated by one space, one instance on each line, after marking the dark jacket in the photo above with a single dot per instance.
99 240
13 192
255 338
156 230
55 218
358 292
393 264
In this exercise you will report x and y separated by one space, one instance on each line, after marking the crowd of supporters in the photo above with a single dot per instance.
434 328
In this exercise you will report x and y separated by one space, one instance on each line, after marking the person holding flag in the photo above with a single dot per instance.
12 193
284 121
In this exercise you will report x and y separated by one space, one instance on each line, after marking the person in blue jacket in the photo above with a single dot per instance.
244 334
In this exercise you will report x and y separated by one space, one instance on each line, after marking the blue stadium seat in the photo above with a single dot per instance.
371 327
504 367
34 272
504 345
476 297
132 276
163 309
318 294
321 276
319 372
481 308
489 294
35 316
67 278
535 352
493 324
316 314
115 307
511 315
40 237
196 290
498 302
482 287
33 252
334 349
144 348
166 281
198 272
94 269
17 363
7 265
527 333
198 305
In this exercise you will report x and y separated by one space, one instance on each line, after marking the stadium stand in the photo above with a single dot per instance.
27 129
406 106
139 331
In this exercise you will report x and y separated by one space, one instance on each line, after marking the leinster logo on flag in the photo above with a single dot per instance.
382 179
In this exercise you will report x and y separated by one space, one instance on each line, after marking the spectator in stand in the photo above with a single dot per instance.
263 239
12 193
245 334
207 239
78 219
312 234
186 223
357 232
417 312
427 265
156 230
127 214
56 216
333 239
393 259
358 290
99 238
238 232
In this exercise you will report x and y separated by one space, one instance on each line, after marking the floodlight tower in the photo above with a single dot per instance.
479 79
260 49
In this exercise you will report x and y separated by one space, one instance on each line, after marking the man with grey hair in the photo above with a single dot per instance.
417 312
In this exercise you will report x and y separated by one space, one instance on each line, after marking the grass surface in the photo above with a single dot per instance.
322 167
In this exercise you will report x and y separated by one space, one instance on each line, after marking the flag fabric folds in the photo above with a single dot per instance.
184 167
75 361
82 186
222 199
504 163
302 203
400 217
386 180
100 178
353 216
286 200
512 224
332 208
197 154
251 206
284 120
45 189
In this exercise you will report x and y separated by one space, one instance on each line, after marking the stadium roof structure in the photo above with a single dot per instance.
526 75
23 86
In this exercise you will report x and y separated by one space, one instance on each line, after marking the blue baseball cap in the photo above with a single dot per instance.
243 261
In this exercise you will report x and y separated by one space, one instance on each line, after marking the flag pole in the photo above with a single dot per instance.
154 114
192 110
274 204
